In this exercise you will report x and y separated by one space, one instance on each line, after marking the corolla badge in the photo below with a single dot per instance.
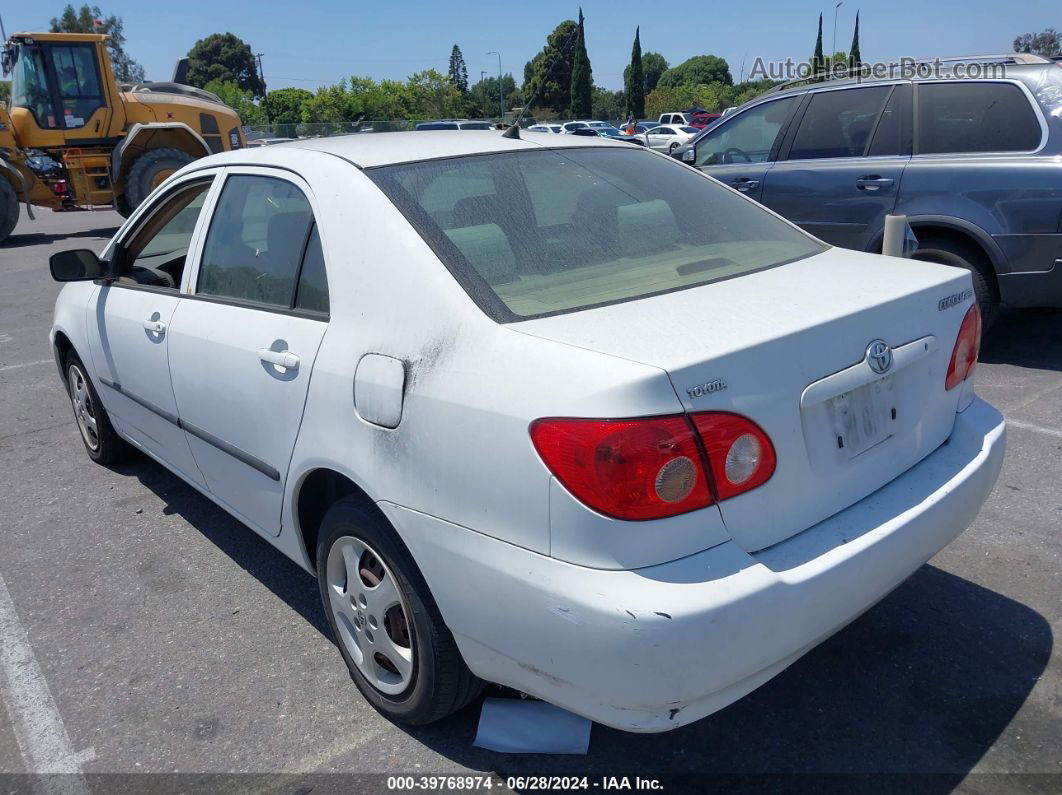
879 356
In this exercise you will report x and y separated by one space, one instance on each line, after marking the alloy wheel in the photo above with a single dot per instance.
370 614
84 407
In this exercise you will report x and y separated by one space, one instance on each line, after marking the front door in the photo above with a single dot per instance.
738 151
129 325
79 95
842 172
242 346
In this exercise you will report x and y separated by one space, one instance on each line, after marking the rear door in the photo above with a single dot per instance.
738 151
243 344
839 171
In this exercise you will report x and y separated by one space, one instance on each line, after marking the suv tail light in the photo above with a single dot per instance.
967 347
654 467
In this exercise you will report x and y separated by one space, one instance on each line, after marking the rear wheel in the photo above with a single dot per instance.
960 254
671 149
150 170
388 628
8 209
102 442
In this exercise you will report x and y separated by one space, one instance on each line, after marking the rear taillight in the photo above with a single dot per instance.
630 469
654 467
967 347
740 454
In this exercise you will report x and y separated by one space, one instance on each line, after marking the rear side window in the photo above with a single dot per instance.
256 241
548 231
311 295
972 116
838 123
893 135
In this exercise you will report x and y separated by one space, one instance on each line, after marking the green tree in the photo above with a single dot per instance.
224 57
699 70
582 76
855 58
653 65
1046 43
549 73
284 106
432 95
126 70
241 101
608 105
328 104
818 63
634 79
5 92
458 71
483 96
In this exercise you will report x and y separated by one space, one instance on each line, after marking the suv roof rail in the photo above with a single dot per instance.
1010 57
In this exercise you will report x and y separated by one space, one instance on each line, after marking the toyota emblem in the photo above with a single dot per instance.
879 356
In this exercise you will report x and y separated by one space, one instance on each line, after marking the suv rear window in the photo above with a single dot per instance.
543 232
973 116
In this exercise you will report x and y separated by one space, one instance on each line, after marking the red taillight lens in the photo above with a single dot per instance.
740 454
654 467
629 469
967 347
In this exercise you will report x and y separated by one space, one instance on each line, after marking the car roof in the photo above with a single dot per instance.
368 150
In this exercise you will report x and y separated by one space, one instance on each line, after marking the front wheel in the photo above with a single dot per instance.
149 171
388 628
8 209
102 442
671 149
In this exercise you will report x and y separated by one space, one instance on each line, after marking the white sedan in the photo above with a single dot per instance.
571 417
667 138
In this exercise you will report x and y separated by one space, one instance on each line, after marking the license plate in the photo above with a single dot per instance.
863 417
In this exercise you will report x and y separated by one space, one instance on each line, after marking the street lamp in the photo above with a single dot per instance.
833 52
501 91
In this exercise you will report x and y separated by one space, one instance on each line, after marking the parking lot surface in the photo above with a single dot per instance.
143 630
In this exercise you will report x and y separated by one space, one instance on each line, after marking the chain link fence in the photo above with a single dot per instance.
325 129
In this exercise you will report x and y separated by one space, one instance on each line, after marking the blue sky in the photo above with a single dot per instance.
314 42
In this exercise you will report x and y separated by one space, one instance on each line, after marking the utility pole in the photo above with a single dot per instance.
501 91
261 75
833 49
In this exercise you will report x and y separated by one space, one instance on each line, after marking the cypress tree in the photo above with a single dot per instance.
636 80
458 71
854 56
582 77
818 63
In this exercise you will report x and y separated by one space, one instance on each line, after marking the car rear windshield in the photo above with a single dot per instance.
542 232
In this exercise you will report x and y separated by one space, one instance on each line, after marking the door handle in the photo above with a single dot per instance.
744 184
873 182
155 326
285 359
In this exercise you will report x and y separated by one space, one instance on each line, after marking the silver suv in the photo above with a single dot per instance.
975 164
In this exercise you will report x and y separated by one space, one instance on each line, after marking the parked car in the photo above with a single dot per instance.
571 126
973 164
668 138
703 119
548 128
573 418
268 141
618 135
676 118
454 124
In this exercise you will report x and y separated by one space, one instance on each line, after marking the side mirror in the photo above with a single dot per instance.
690 155
79 265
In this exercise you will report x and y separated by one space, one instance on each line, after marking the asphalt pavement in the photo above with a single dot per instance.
144 631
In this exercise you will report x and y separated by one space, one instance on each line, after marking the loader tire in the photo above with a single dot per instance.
8 209
150 170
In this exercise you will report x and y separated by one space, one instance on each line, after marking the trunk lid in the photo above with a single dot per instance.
787 347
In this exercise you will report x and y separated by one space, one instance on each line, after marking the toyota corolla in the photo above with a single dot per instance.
553 412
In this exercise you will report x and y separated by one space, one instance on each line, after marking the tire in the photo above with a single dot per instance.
121 205
102 442
149 170
671 149
960 254
437 681
8 209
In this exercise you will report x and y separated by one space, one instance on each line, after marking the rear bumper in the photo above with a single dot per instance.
1032 288
655 648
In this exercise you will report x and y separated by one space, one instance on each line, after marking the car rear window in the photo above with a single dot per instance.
966 116
537 233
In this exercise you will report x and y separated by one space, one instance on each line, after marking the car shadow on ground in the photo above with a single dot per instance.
1025 338
910 696
46 238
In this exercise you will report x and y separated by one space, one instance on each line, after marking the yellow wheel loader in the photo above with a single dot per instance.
74 138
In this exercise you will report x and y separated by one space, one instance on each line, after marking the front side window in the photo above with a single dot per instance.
956 117
747 137
79 86
257 238
29 86
155 253
550 231
838 123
